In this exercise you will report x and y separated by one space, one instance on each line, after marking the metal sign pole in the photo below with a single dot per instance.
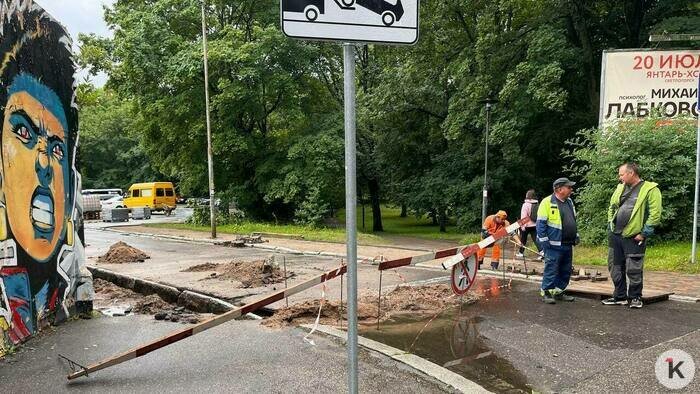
210 160
693 257
351 211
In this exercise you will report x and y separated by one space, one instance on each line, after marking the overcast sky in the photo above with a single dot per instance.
80 16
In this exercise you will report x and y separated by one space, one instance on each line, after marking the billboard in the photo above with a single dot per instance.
635 83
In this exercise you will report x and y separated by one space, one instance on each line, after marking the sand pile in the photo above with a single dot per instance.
105 290
150 305
122 253
402 300
256 273
202 267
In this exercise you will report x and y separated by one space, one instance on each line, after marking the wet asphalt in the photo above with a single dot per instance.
512 342
237 357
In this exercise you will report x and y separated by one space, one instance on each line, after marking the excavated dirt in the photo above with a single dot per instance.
425 300
122 253
118 301
202 267
256 273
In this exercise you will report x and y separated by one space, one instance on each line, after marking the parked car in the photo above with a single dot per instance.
113 202
181 200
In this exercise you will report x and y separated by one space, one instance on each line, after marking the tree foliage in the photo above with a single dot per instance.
277 102
665 151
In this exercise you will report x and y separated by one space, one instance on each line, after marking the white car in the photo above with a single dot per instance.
113 202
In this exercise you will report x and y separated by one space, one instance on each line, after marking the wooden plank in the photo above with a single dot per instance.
207 324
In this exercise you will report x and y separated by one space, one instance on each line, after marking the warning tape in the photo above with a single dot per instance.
318 317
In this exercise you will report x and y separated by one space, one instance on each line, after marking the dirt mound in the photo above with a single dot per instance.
256 273
202 267
402 300
150 305
116 301
122 253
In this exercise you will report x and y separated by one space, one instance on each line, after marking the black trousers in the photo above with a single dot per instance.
626 263
532 232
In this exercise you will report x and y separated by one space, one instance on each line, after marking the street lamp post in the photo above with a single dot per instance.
488 102
210 160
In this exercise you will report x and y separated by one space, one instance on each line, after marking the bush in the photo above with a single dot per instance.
200 216
313 210
665 152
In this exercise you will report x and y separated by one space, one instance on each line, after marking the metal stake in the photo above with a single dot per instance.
693 257
351 211
284 261
379 300
340 313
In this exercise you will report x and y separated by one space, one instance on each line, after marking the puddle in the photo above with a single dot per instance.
452 340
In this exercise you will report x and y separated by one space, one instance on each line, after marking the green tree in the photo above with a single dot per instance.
665 151
110 154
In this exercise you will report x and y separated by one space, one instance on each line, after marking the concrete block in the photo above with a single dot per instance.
202 303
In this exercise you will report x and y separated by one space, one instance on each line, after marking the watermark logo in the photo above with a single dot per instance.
675 369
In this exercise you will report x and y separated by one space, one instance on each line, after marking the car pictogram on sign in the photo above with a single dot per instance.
311 8
390 10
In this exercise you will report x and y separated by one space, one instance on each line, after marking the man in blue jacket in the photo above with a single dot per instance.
557 235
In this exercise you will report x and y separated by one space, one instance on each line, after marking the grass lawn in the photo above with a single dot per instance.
666 256
410 226
394 225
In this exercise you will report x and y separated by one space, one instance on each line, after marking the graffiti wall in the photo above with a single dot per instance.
43 278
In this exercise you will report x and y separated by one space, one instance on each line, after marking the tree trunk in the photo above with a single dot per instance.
373 186
582 37
403 210
443 221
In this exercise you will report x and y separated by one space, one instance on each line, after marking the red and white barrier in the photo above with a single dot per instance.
485 243
207 324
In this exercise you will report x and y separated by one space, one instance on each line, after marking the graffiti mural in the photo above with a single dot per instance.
43 278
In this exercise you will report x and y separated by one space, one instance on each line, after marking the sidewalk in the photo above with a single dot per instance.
655 281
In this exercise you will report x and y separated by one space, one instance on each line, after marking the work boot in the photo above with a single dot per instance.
548 299
614 301
563 297
636 303
494 265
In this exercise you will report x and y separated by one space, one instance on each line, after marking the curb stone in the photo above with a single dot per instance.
194 301
420 364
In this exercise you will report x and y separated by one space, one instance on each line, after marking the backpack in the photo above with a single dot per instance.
533 211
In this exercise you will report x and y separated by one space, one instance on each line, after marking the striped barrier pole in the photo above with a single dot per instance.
460 252
484 243
207 324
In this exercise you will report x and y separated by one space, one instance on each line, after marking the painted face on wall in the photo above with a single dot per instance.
35 167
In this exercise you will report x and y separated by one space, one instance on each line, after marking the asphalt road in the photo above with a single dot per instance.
237 357
512 342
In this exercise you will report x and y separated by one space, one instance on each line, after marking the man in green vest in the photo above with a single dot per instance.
635 209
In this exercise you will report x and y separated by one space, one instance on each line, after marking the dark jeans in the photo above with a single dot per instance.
532 232
557 269
626 262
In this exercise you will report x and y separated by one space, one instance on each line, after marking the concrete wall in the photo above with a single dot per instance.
43 278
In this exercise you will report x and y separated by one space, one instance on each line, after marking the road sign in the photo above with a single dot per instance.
380 21
463 275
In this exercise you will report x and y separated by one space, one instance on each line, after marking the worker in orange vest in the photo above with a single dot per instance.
491 225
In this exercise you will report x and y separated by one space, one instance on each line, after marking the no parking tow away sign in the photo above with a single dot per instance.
378 21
